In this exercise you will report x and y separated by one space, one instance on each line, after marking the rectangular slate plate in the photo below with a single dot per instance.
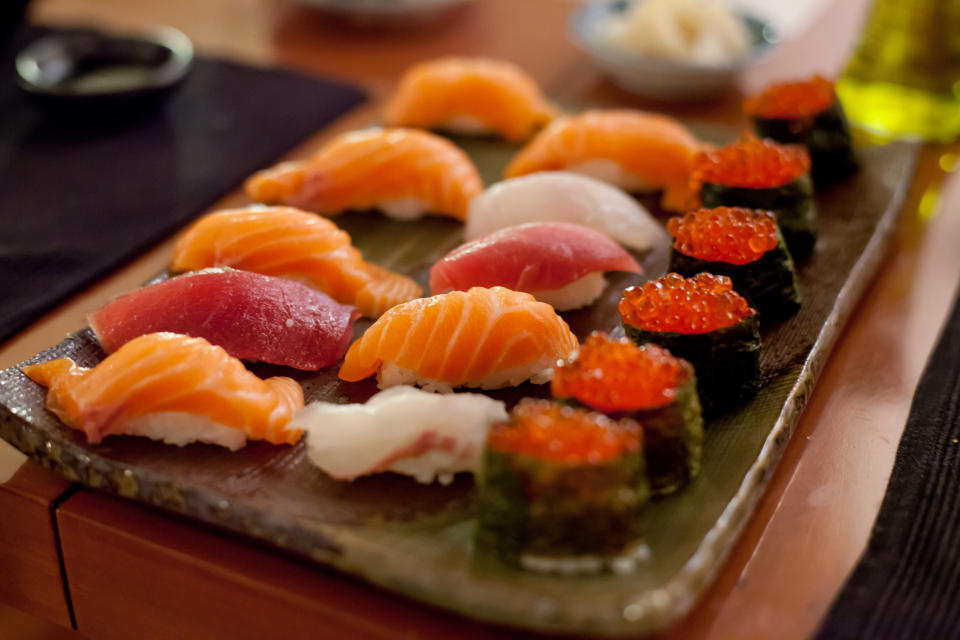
416 540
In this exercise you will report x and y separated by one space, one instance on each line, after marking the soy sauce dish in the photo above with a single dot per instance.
88 68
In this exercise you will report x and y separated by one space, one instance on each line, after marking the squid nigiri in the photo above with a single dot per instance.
560 264
487 338
634 150
404 430
292 244
252 316
469 95
405 173
173 388
564 196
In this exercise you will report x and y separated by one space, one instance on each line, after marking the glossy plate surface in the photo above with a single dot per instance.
415 539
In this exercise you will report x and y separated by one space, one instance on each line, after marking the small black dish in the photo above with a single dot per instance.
83 69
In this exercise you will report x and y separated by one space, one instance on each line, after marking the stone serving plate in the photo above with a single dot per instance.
415 540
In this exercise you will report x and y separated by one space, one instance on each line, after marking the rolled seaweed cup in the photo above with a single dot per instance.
563 484
737 243
721 340
761 174
647 384
807 113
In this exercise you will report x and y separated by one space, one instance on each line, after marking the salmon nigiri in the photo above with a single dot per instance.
173 388
469 95
486 338
405 173
634 150
293 244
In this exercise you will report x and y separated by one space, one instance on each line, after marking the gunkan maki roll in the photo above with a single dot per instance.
806 112
647 384
561 488
761 174
703 320
743 244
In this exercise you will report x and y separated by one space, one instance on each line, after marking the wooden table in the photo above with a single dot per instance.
111 569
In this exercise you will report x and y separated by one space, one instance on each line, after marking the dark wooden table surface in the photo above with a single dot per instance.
72 558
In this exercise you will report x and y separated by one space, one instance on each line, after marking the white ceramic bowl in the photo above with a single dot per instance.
656 78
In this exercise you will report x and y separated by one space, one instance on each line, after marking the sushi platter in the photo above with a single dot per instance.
422 539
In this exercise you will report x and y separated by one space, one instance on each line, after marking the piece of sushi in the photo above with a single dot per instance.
563 196
561 489
471 96
173 388
634 150
292 244
743 244
403 429
647 384
761 174
560 264
704 321
404 173
486 338
806 112
252 316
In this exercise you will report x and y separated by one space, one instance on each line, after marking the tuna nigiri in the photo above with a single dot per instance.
563 196
173 388
560 264
634 150
405 173
402 429
469 95
252 316
487 338
293 244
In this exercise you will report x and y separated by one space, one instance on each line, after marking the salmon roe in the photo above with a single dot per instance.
699 304
751 163
725 234
789 100
547 430
617 375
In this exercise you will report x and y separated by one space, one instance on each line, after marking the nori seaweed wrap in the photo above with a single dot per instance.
761 174
808 113
743 244
563 484
646 384
702 320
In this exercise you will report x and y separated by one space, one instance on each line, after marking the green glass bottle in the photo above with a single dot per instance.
904 78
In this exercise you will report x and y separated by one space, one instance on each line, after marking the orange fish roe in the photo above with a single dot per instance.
550 431
617 375
751 163
789 100
699 304
725 234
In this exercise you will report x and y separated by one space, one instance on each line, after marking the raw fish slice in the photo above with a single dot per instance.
405 173
292 244
563 196
469 95
173 388
487 338
533 257
252 316
402 429
634 150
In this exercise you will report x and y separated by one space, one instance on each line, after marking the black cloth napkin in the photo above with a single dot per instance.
79 197
907 583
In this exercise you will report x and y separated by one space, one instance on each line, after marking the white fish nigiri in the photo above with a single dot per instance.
404 430
563 196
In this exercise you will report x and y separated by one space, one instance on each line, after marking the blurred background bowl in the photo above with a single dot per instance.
387 13
659 78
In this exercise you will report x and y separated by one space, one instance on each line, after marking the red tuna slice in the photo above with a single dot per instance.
252 316
530 257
